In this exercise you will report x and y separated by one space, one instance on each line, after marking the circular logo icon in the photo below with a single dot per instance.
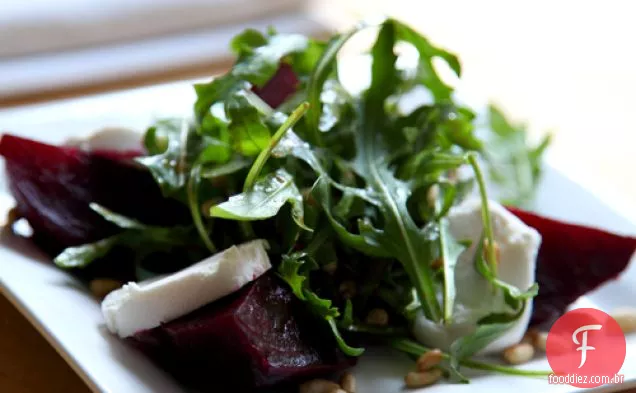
585 348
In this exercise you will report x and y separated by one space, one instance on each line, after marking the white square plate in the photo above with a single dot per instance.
70 319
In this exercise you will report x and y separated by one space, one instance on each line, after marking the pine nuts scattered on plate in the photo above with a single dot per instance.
519 353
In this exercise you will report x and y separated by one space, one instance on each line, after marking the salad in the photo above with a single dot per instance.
290 223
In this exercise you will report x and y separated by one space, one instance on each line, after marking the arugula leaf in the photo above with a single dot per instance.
84 255
513 165
289 270
426 72
170 168
321 192
264 200
208 94
157 136
259 59
336 105
325 66
214 150
244 43
469 345
261 64
117 219
248 131
292 145
344 347
143 239
450 250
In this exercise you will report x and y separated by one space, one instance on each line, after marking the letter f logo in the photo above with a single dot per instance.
584 347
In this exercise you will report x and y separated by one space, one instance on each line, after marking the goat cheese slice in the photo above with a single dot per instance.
110 138
147 304
518 248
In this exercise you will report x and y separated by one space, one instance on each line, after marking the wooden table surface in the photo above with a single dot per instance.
536 71
28 364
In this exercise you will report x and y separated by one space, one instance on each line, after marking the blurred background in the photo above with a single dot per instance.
561 66
564 65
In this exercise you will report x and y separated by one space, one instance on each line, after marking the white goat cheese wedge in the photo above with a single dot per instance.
147 304
518 247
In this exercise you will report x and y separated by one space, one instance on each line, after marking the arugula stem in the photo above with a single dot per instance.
193 201
491 256
412 348
317 241
247 230
264 155
258 103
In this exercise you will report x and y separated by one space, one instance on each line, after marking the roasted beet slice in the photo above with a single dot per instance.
54 185
283 84
573 260
255 338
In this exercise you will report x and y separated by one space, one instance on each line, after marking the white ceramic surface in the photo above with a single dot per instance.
71 321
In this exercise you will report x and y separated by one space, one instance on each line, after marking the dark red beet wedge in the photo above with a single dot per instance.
54 185
283 84
573 260
255 338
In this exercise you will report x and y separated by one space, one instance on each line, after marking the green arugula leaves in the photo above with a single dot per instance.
514 166
144 239
294 271
347 186
264 200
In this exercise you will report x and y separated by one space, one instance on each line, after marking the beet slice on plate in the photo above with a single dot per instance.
251 339
54 185
573 260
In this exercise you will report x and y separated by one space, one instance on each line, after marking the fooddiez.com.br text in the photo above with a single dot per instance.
569 379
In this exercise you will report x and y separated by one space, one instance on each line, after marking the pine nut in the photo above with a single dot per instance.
497 250
519 353
529 337
432 194
319 386
330 268
348 382
626 318
429 360
540 341
100 287
348 289
421 379
378 317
